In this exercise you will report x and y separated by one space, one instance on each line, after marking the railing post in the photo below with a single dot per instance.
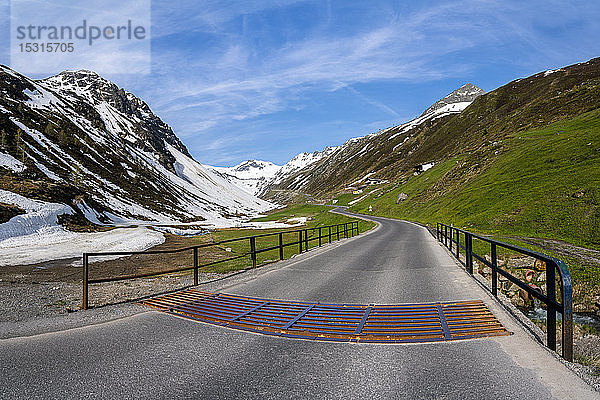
306 240
300 241
280 246
437 231
446 235
329 234
320 236
337 231
357 232
550 309
253 250
451 238
457 244
84 301
345 230
469 253
567 311
494 270
195 266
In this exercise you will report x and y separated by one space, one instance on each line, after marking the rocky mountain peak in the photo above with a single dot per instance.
464 94
252 164
106 97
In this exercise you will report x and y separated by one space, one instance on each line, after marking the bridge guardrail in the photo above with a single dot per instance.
450 237
328 232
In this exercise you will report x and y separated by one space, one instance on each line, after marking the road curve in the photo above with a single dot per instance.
154 355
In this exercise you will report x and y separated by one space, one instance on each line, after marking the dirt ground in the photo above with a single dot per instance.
70 270
55 287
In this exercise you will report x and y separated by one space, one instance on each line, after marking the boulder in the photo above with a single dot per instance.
518 301
521 262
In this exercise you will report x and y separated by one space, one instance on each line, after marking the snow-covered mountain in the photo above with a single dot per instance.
299 162
249 175
79 140
256 176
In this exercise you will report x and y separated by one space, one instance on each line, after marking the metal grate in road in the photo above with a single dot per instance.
372 323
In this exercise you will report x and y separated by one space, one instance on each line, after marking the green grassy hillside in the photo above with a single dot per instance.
540 183
488 125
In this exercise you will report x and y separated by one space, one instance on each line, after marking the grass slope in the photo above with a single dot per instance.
318 216
542 183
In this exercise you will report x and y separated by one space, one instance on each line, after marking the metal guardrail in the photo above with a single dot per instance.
328 232
451 238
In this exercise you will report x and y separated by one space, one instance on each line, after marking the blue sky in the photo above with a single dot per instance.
270 79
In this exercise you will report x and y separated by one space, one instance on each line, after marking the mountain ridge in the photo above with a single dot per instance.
297 182
80 140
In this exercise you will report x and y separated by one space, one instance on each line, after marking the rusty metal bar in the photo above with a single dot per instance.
392 323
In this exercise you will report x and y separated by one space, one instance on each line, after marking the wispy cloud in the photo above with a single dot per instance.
234 76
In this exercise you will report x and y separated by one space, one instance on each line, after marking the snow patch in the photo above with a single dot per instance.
9 162
35 249
179 231
448 109
427 166
36 236
550 71
40 98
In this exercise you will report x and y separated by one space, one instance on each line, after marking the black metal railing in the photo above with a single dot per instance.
451 238
305 237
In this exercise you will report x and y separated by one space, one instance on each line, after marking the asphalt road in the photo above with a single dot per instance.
154 355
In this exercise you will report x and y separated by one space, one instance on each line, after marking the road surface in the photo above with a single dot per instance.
155 355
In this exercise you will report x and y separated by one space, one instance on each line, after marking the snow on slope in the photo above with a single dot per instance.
8 161
448 109
299 162
249 175
36 236
209 185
